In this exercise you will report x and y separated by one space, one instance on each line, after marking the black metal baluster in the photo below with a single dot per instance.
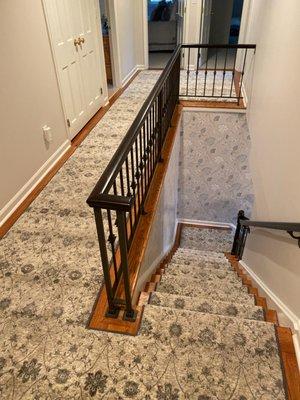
245 231
115 188
197 71
133 184
154 134
141 167
224 71
148 148
113 310
242 77
233 73
137 175
111 240
145 158
129 314
151 142
122 182
128 194
188 73
215 72
205 74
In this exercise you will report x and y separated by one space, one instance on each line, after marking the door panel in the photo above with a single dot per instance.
78 66
180 16
90 57
205 29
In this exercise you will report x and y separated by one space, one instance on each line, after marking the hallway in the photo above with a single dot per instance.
50 267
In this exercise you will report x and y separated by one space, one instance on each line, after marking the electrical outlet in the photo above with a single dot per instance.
47 133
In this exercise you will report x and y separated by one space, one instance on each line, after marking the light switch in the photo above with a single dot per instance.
47 133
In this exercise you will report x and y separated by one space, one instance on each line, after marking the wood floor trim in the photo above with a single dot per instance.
78 139
212 104
284 335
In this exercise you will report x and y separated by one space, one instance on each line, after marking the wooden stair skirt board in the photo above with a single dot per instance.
98 320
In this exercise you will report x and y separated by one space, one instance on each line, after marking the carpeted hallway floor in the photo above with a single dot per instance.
50 275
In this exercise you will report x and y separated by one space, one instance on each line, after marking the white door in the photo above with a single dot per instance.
205 28
74 38
179 17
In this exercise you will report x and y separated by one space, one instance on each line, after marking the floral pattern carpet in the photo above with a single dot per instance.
208 87
207 239
50 275
214 166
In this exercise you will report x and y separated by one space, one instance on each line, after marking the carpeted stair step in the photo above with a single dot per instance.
218 290
206 356
199 259
202 263
202 305
200 253
197 272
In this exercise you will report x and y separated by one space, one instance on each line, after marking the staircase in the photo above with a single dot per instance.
209 339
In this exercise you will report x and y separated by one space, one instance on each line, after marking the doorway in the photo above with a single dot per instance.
221 25
165 27
78 57
107 37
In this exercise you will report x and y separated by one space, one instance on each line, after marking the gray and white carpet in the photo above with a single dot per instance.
50 275
208 86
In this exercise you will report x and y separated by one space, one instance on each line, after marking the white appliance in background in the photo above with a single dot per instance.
74 36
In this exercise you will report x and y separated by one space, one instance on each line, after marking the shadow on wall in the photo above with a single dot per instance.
214 174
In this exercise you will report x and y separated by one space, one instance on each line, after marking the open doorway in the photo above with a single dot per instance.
108 46
221 25
165 25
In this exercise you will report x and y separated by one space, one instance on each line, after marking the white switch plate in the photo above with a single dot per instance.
47 133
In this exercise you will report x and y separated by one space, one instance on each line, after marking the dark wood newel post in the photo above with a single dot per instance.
235 246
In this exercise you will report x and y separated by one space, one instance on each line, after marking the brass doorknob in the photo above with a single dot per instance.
76 42
81 40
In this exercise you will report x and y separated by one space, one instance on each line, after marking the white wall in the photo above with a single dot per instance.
163 230
274 128
29 98
129 30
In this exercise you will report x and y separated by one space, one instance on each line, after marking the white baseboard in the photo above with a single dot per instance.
280 307
129 76
21 195
141 67
213 224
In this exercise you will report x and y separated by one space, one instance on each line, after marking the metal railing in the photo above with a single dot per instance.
119 196
212 71
243 229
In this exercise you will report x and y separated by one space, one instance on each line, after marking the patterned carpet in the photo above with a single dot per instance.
212 86
214 166
207 239
50 275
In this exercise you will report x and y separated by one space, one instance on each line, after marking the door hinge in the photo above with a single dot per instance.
68 122
101 90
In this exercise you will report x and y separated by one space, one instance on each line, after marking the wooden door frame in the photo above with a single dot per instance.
113 43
